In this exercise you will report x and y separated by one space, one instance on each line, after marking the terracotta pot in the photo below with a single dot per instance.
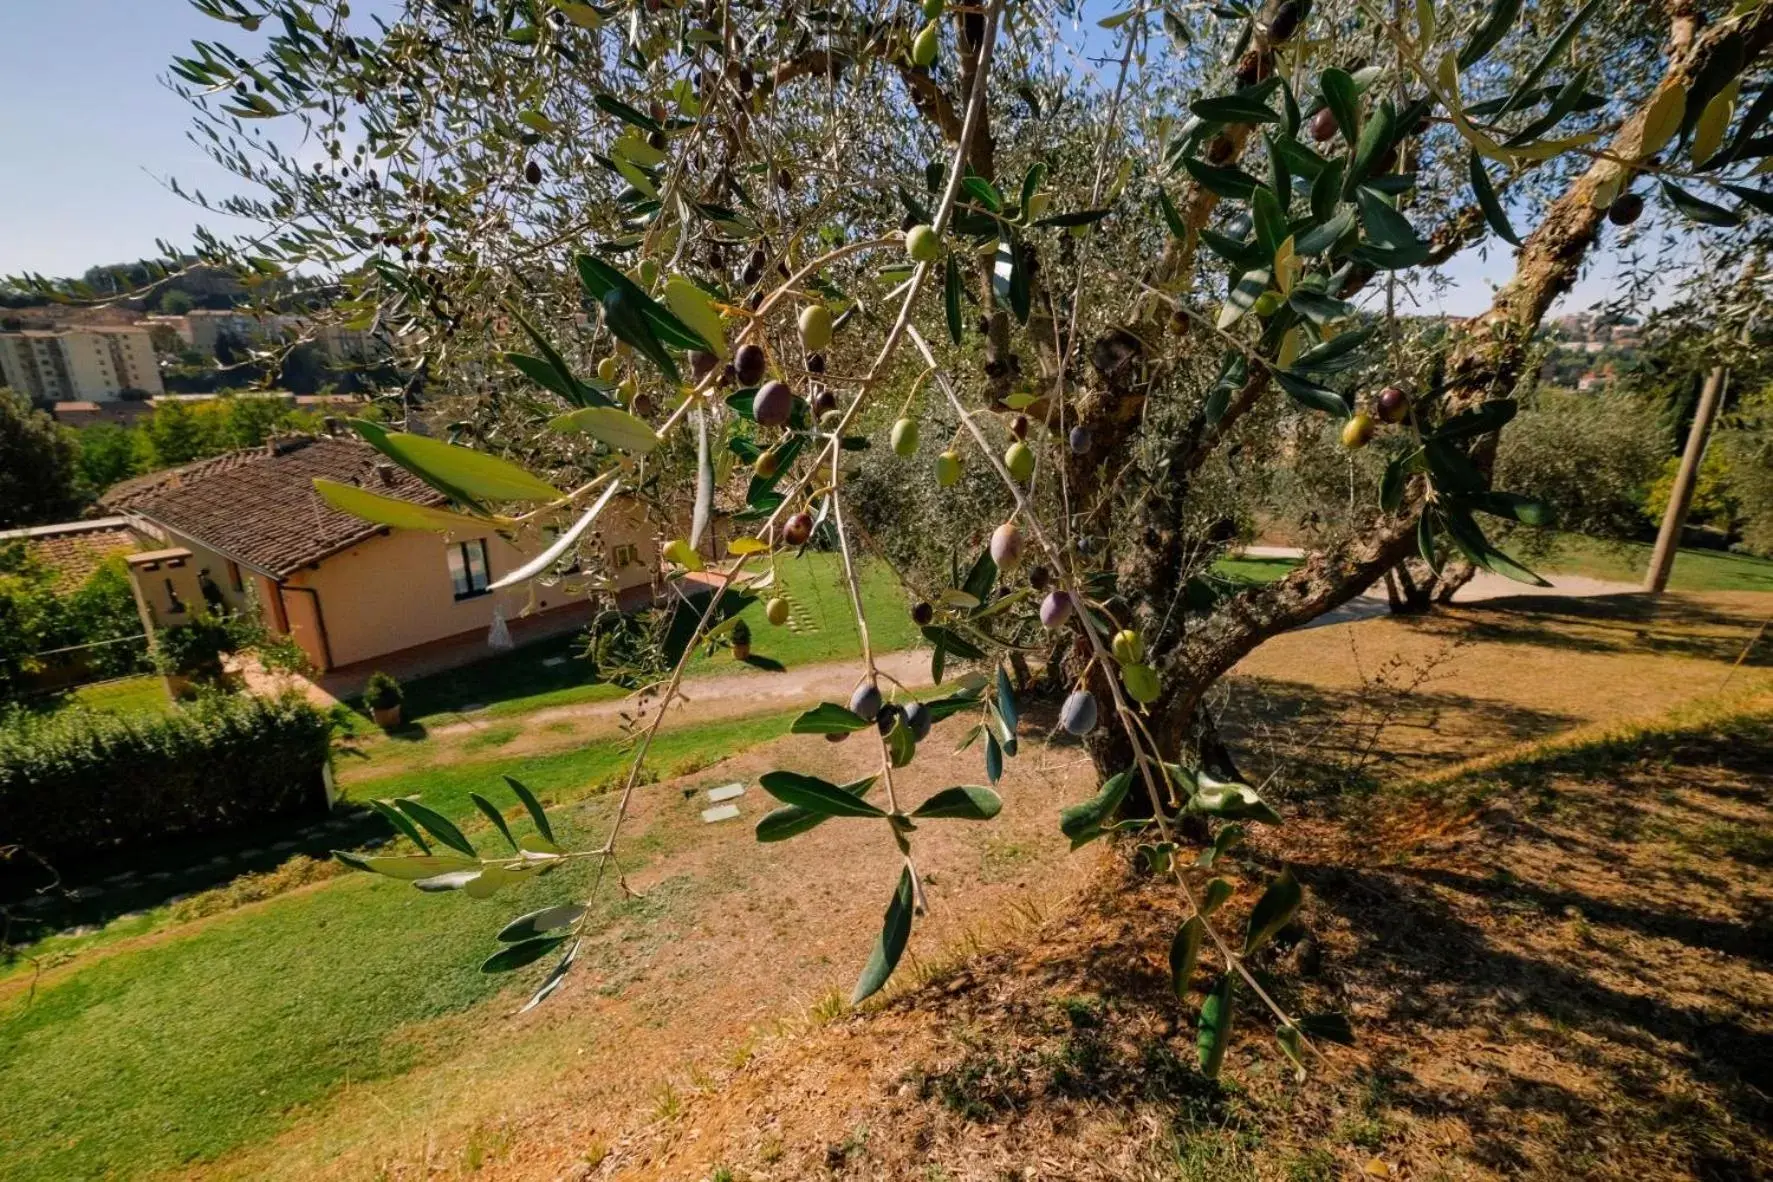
741 652
386 716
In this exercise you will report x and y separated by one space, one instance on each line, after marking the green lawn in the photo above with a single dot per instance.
1694 570
821 628
1254 570
1573 554
175 1052
124 695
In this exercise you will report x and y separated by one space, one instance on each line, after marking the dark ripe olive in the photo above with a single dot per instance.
1284 24
532 172
815 363
1019 426
773 404
922 614
750 363
1323 126
798 529
918 720
823 403
1392 404
1038 578
1078 714
1626 209
746 81
866 701
657 140
888 718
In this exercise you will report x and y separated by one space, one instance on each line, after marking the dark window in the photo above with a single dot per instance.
234 576
174 605
467 568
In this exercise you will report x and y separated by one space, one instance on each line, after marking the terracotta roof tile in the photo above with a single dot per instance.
259 507
77 549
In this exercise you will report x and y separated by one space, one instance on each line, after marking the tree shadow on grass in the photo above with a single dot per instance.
1667 626
95 892
1326 737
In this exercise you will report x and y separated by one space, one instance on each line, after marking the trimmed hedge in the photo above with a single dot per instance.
80 784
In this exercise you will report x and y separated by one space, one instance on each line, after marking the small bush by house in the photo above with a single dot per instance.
78 784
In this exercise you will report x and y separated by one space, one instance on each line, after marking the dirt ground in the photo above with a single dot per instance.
1553 978
1557 970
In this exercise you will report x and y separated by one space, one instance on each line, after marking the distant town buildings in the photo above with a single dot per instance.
94 363
203 329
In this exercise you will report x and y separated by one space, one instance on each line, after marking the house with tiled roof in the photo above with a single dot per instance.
247 531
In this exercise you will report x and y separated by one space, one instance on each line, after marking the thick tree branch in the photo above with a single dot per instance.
1486 363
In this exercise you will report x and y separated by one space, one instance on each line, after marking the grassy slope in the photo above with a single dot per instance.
185 1047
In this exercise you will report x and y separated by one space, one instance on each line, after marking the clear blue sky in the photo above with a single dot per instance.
89 132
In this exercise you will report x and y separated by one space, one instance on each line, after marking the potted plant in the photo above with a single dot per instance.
382 693
741 640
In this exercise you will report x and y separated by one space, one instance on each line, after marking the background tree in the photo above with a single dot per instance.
522 195
39 478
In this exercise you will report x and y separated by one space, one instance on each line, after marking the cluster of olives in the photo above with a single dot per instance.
866 703
1391 405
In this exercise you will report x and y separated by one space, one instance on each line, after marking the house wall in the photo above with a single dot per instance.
393 591
204 559
165 584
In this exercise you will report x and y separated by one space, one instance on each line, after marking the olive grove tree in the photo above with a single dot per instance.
686 249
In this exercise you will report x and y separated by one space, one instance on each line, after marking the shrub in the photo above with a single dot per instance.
382 691
76 784
196 649
1589 456
741 634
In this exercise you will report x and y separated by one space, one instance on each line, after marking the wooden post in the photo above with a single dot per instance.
1680 498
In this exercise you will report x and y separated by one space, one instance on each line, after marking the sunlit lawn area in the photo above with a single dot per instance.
124 695
1694 570
1573 554
821 628
146 1058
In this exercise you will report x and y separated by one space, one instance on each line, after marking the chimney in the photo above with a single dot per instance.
385 472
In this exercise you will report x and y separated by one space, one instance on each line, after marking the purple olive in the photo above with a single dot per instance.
1078 714
918 721
773 404
1079 440
866 701
1055 609
750 363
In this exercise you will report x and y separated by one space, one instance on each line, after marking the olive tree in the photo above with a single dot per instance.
623 249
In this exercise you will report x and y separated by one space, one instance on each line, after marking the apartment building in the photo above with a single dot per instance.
96 363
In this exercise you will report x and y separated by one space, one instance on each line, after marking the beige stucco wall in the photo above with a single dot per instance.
203 558
394 591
